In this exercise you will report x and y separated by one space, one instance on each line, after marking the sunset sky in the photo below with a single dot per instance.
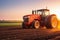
15 9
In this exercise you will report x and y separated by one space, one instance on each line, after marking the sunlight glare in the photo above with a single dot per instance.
55 11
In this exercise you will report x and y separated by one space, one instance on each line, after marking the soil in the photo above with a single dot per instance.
17 33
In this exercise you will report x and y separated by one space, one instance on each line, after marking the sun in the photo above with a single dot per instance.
57 12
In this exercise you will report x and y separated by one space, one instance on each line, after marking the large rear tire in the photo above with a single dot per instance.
52 21
36 24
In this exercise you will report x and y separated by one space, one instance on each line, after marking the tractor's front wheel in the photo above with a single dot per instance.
24 26
36 24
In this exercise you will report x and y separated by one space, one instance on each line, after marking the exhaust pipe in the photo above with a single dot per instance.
32 12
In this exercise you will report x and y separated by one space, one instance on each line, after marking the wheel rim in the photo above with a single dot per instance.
54 22
37 24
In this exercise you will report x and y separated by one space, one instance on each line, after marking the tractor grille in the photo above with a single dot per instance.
25 19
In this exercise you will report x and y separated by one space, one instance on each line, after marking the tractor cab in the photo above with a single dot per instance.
43 12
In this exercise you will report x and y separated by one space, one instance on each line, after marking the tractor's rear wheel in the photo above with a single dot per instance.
36 24
52 21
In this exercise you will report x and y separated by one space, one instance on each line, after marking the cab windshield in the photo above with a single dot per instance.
39 12
47 13
44 13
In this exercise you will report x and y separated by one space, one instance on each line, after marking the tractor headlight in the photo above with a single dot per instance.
28 16
25 18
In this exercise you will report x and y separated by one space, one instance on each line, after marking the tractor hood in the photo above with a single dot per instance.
30 18
26 16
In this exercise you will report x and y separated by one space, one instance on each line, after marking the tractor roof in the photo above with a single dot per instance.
43 10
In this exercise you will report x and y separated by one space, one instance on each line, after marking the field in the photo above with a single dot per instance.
16 23
10 24
12 31
28 34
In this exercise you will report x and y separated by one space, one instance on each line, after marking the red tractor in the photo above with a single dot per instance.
40 18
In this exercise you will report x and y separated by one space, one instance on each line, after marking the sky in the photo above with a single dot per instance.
16 9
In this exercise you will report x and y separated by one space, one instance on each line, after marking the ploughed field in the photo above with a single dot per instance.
17 33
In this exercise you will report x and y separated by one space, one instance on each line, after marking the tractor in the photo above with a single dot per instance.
40 18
